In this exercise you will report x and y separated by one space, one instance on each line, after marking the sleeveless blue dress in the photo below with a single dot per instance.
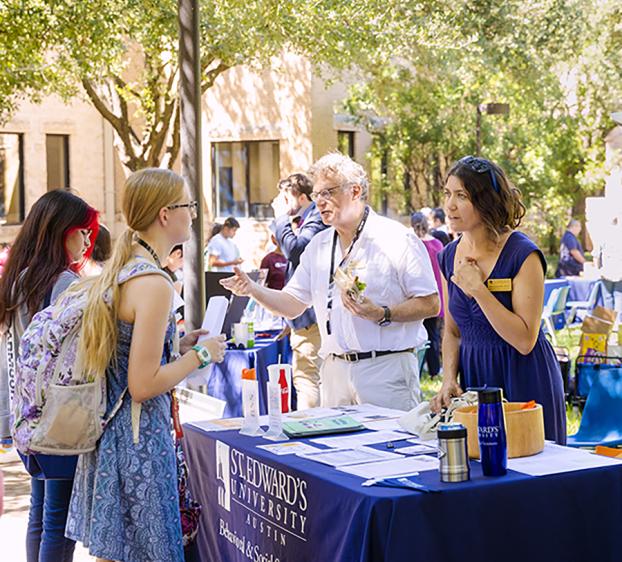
125 501
487 359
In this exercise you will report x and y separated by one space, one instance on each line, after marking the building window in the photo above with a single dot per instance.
57 155
345 143
11 178
244 178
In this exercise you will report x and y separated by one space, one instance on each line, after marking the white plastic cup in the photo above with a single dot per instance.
240 333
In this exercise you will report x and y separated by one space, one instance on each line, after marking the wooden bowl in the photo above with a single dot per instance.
524 429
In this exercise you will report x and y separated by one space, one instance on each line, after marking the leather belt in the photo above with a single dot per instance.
354 356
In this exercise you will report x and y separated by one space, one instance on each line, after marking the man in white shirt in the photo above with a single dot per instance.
611 267
221 253
368 343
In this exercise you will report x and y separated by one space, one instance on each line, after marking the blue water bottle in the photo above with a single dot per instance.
493 446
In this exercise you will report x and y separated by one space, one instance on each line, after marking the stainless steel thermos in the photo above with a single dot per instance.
452 452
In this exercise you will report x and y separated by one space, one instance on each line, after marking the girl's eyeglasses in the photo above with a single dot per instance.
193 207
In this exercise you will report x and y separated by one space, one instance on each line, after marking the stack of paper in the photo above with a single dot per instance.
360 439
405 466
555 459
344 457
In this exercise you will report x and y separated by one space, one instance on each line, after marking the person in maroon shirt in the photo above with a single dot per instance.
276 264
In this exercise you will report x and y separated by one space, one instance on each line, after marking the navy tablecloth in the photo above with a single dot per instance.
225 379
260 507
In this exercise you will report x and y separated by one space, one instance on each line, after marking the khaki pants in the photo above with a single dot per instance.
305 344
390 381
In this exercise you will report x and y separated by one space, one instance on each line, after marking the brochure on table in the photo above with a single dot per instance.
555 459
344 457
213 321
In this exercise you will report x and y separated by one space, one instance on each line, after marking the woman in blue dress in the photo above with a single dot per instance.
125 500
493 277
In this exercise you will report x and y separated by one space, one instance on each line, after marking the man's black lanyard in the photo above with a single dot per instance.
331 273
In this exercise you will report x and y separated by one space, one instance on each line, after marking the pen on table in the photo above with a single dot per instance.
320 418
391 444
372 481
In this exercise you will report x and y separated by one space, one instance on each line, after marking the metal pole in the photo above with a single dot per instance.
478 131
190 94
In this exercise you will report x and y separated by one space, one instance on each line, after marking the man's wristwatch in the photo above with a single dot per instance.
386 319
205 357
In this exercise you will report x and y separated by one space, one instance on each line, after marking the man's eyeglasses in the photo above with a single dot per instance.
193 207
480 166
326 194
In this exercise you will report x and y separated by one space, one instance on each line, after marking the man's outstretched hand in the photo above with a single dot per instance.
239 284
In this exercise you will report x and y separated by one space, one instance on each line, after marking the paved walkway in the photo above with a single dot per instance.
14 521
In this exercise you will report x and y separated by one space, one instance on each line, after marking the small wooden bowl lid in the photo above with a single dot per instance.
524 429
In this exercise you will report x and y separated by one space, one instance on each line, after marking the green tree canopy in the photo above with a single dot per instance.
124 53
556 62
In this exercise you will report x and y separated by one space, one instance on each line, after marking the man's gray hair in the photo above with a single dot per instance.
341 168
572 223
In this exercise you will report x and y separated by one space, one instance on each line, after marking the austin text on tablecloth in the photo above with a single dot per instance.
266 498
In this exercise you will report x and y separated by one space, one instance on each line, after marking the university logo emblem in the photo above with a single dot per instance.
222 475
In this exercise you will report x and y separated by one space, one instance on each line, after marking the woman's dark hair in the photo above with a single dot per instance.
102 249
496 200
438 214
216 228
177 247
419 222
39 254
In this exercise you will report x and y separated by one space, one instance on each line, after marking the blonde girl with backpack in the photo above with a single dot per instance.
125 502
51 248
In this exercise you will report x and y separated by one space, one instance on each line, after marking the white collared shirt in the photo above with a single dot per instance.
395 266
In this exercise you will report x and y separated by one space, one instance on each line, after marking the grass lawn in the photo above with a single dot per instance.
568 338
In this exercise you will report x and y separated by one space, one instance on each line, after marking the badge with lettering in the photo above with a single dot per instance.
499 285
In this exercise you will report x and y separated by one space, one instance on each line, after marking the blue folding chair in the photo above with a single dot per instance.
584 306
587 370
601 423
554 311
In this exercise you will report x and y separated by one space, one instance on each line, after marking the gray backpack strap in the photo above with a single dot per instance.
138 267
115 408
12 337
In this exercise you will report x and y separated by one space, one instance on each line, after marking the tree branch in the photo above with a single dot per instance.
161 125
211 76
120 85
121 126
172 150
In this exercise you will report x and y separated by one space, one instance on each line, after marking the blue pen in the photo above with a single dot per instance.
372 481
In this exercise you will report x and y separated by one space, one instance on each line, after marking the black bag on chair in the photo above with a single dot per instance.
563 358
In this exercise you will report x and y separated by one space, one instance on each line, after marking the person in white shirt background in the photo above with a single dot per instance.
367 343
611 266
221 253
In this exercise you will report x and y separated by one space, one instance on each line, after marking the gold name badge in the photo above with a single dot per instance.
499 285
